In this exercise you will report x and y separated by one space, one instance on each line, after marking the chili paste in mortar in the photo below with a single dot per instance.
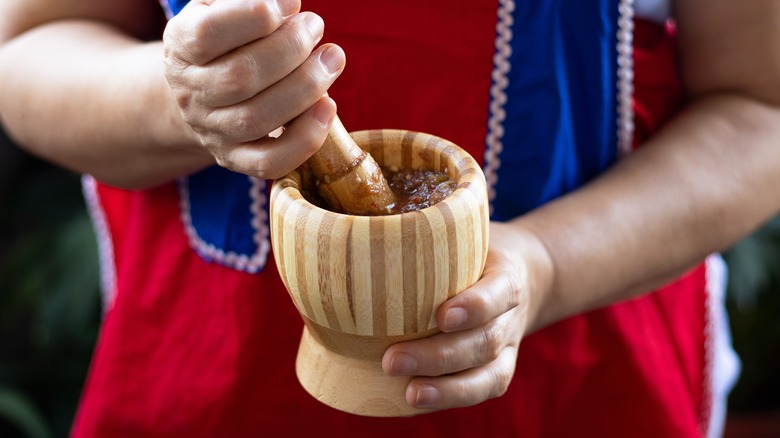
414 189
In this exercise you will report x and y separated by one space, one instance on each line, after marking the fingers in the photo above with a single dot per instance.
271 158
466 388
448 353
239 69
458 369
276 105
474 358
207 29
495 293
242 73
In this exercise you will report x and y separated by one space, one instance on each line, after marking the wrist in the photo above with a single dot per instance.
533 266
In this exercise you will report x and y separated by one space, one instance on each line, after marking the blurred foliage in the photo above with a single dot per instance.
49 300
753 302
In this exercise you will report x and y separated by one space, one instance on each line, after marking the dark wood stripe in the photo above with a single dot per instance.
323 258
467 174
378 278
370 348
350 290
278 246
450 154
407 150
434 159
409 269
376 139
300 261
469 258
452 248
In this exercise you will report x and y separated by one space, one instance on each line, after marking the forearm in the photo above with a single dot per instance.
705 181
90 98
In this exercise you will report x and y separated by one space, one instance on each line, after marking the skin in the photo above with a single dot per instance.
706 180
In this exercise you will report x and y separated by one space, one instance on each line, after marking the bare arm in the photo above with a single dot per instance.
709 178
82 88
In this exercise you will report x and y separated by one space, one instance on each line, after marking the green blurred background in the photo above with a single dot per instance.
50 306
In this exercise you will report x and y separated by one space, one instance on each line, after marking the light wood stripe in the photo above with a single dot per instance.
466 257
301 267
277 228
426 259
411 274
360 274
394 276
453 239
288 239
407 151
312 260
439 269
336 279
324 232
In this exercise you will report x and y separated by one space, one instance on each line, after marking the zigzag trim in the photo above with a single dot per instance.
251 263
498 97
104 241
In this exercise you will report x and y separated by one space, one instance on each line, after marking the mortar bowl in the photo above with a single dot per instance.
363 283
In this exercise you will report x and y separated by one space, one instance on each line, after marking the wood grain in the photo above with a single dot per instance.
362 283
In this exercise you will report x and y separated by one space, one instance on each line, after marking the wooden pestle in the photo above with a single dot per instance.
348 178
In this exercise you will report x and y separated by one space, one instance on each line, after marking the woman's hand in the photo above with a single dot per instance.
473 360
239 70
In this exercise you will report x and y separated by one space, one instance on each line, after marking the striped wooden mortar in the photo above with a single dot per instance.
363 283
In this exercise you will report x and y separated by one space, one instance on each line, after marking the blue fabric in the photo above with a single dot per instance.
220 210
563 61
177 5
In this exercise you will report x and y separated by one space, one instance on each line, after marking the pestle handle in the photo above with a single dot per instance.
348 178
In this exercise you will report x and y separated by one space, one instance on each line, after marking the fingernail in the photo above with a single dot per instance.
315 25
331 59
322 114
427 395
403 364
454 318
287 7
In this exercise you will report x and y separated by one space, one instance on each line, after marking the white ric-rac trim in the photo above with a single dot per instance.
625 74
498 98
104 241
722 365
250 263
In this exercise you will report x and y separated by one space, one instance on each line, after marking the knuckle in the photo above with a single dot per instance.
310 87
192 39
237 78
246 119
445 361
266 169
222 159
299 45
266 16
502 378
492 342
515 296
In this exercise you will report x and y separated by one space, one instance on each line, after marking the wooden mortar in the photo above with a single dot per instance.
362 283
